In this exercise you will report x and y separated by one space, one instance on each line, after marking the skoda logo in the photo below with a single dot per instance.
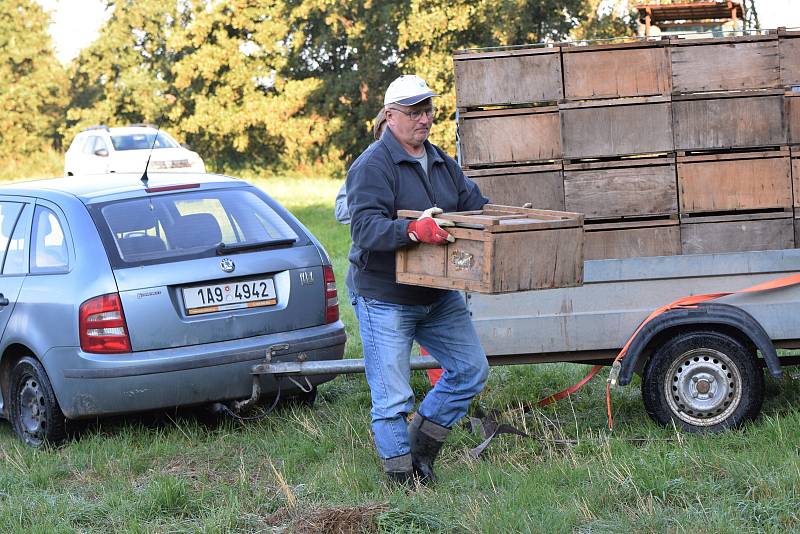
227 265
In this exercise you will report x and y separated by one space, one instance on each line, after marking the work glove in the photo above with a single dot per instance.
426 229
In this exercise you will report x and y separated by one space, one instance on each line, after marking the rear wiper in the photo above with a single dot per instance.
222 248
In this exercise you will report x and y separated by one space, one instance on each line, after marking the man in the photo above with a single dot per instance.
405 171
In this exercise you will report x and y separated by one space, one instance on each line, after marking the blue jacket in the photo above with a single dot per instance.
383 180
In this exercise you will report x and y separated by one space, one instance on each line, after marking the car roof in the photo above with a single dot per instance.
104 187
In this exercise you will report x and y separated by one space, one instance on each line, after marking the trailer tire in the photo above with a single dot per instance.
703 381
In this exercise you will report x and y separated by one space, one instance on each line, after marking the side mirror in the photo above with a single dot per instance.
102 152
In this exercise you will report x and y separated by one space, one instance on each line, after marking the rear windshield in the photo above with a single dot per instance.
193 224
141 141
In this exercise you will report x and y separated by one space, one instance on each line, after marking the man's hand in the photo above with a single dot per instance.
426 229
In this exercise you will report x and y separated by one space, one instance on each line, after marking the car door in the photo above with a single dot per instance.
95 156
15 223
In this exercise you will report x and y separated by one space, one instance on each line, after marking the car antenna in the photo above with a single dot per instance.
144 177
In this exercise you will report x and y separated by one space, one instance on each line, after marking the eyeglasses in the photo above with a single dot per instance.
416 114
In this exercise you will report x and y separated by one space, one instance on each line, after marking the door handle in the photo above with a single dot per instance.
3 300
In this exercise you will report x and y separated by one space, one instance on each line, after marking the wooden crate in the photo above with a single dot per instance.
510 136
735 181
725 64
625 188
498 249
792 107
789 47
728 120
611 128
541 185
737 233
507 77
632 239
640 68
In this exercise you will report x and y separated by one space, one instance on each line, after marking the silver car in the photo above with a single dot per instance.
118 296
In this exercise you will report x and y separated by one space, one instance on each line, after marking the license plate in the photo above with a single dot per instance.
229 296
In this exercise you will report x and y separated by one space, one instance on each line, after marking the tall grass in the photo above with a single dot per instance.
314 469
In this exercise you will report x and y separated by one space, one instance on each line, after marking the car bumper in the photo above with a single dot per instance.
88 385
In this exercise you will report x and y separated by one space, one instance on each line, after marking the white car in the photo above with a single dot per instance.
101 150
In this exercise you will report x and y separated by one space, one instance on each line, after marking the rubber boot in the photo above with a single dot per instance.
426 438
399 470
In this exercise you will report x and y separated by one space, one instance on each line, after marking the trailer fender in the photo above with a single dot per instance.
704 316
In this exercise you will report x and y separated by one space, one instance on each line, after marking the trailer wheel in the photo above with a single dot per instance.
703 381
33 409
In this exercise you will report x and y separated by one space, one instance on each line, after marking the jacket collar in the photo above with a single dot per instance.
399 153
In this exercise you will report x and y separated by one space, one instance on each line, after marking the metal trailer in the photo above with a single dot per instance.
701 367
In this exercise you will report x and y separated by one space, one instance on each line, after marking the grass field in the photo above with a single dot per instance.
313 469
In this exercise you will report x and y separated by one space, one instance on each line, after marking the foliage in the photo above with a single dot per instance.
606 20
32 82
290 85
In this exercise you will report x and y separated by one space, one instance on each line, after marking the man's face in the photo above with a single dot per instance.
409 130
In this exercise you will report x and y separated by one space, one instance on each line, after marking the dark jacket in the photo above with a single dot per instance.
383 180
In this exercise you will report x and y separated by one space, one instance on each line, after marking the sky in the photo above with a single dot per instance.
76 22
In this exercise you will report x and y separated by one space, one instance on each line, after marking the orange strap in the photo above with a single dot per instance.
684 302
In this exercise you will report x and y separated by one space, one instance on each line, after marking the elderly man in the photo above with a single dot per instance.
405 171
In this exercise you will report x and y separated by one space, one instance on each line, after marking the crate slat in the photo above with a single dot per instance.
632 239
704 122
502 78
793 116
542 186
795 153
739 181
611 128
510 136
724 65
735 233
609 190
789 46
612 71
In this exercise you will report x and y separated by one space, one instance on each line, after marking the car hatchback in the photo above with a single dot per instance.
119 296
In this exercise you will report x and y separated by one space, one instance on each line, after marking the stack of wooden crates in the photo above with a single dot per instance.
675 146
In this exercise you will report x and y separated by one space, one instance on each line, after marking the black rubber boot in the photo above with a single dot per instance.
426 438
399 470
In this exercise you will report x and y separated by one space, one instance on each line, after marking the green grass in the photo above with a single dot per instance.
314 469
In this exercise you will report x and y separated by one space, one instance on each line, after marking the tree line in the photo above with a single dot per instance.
267 85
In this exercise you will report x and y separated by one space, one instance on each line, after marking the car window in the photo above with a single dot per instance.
88 146
142 141
49 251
9 213
191 224
99 143
16 261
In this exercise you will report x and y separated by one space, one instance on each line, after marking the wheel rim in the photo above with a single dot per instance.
703 387
32 411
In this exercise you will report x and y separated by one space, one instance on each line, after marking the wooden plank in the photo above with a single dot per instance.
511 51
725 156
513 138
735 184
616 130
620 164
528 260
725 66
601 72
790 60
544 190
793 116
720 123
693 41
617 192
503 80
758 216
507 171
609 242
732 94
796 232
614 102
796 176
737 235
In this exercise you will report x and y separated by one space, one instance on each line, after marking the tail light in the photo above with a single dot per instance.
102 325
331 295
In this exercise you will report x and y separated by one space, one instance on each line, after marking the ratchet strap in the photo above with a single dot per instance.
685 302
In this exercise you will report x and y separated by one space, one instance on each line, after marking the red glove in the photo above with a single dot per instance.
426 229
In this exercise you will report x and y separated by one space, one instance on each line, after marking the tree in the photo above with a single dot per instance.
32 81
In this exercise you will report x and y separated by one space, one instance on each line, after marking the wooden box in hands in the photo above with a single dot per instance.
499 249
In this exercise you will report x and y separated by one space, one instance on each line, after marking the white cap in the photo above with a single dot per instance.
407 90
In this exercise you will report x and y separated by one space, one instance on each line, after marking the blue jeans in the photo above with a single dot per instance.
445 330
